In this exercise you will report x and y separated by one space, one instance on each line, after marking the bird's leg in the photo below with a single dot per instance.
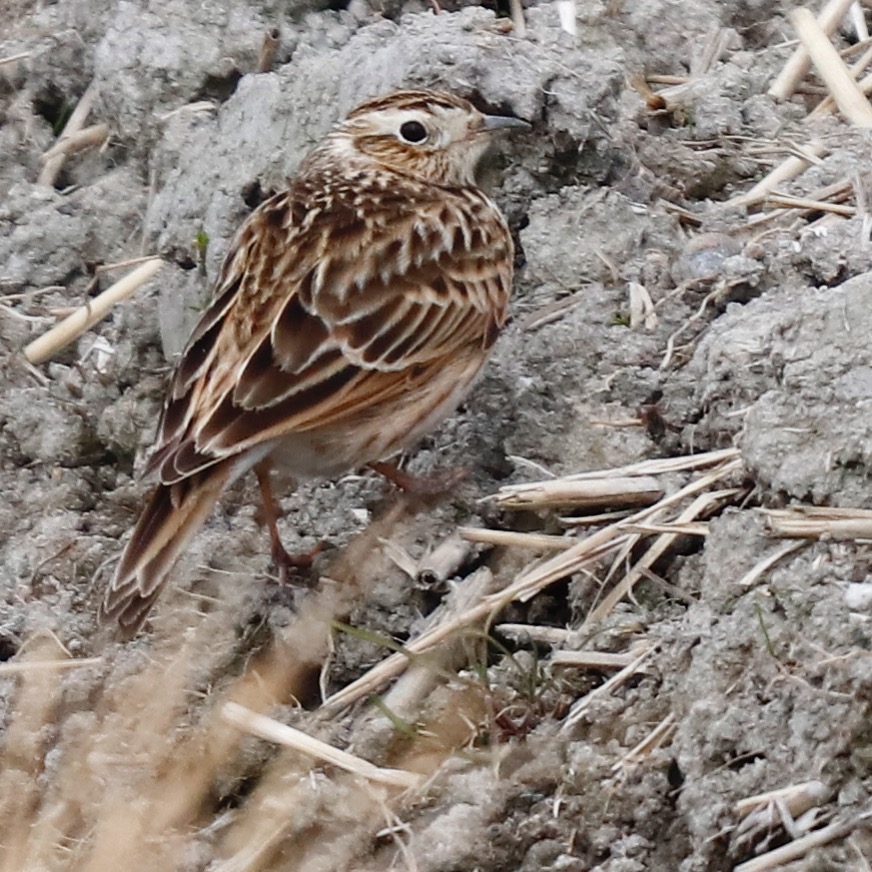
438 483
285 563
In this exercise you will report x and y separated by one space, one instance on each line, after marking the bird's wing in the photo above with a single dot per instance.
323 313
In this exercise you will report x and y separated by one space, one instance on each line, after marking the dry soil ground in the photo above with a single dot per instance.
577 709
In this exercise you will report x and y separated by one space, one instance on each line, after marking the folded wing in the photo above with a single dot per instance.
328 310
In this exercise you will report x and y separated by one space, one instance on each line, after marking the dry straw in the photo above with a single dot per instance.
800 847
844 90
71 137
275 731
85 317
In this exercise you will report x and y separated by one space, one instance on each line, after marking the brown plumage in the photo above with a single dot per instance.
351 315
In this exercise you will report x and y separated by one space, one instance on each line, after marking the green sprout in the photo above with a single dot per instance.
202 243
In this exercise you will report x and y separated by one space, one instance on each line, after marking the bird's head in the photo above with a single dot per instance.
431 135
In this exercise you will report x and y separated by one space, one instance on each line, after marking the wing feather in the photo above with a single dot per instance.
327 313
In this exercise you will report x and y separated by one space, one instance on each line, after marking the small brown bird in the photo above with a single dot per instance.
351 315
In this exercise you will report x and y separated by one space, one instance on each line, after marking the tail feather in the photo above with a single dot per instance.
171 518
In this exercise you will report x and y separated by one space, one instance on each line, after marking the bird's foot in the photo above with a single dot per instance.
292 567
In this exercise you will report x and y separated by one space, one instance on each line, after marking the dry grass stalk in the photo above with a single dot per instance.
641 307
828 104
446 559
865 84
409 695
657 79
567 13
323 824
701 505
189 109
698 528
96 134
592 520
800 847
798 64
651 742
812 522
87 316
400 557
614 537
282 734
580 706
120 264
458 614
837 192
138 771
11 59
702 61
551 312
855 48
268 49
808 205
74 124
22 758
537 541
483 609
569 491
536 633
819 199
519 23
751 576
591 659
136 778
858 21
797 798
847 95
31 666
579 557
784 172
666 465
713 49
465 706
285 812
174 793
528 584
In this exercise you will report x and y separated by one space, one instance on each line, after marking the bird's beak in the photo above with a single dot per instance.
504 122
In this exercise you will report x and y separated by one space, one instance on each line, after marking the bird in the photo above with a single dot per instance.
352 313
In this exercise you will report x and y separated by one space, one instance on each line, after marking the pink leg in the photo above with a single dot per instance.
285 563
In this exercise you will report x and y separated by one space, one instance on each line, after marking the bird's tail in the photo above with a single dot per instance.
171 518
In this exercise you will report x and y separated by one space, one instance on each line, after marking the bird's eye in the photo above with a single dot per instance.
413 131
